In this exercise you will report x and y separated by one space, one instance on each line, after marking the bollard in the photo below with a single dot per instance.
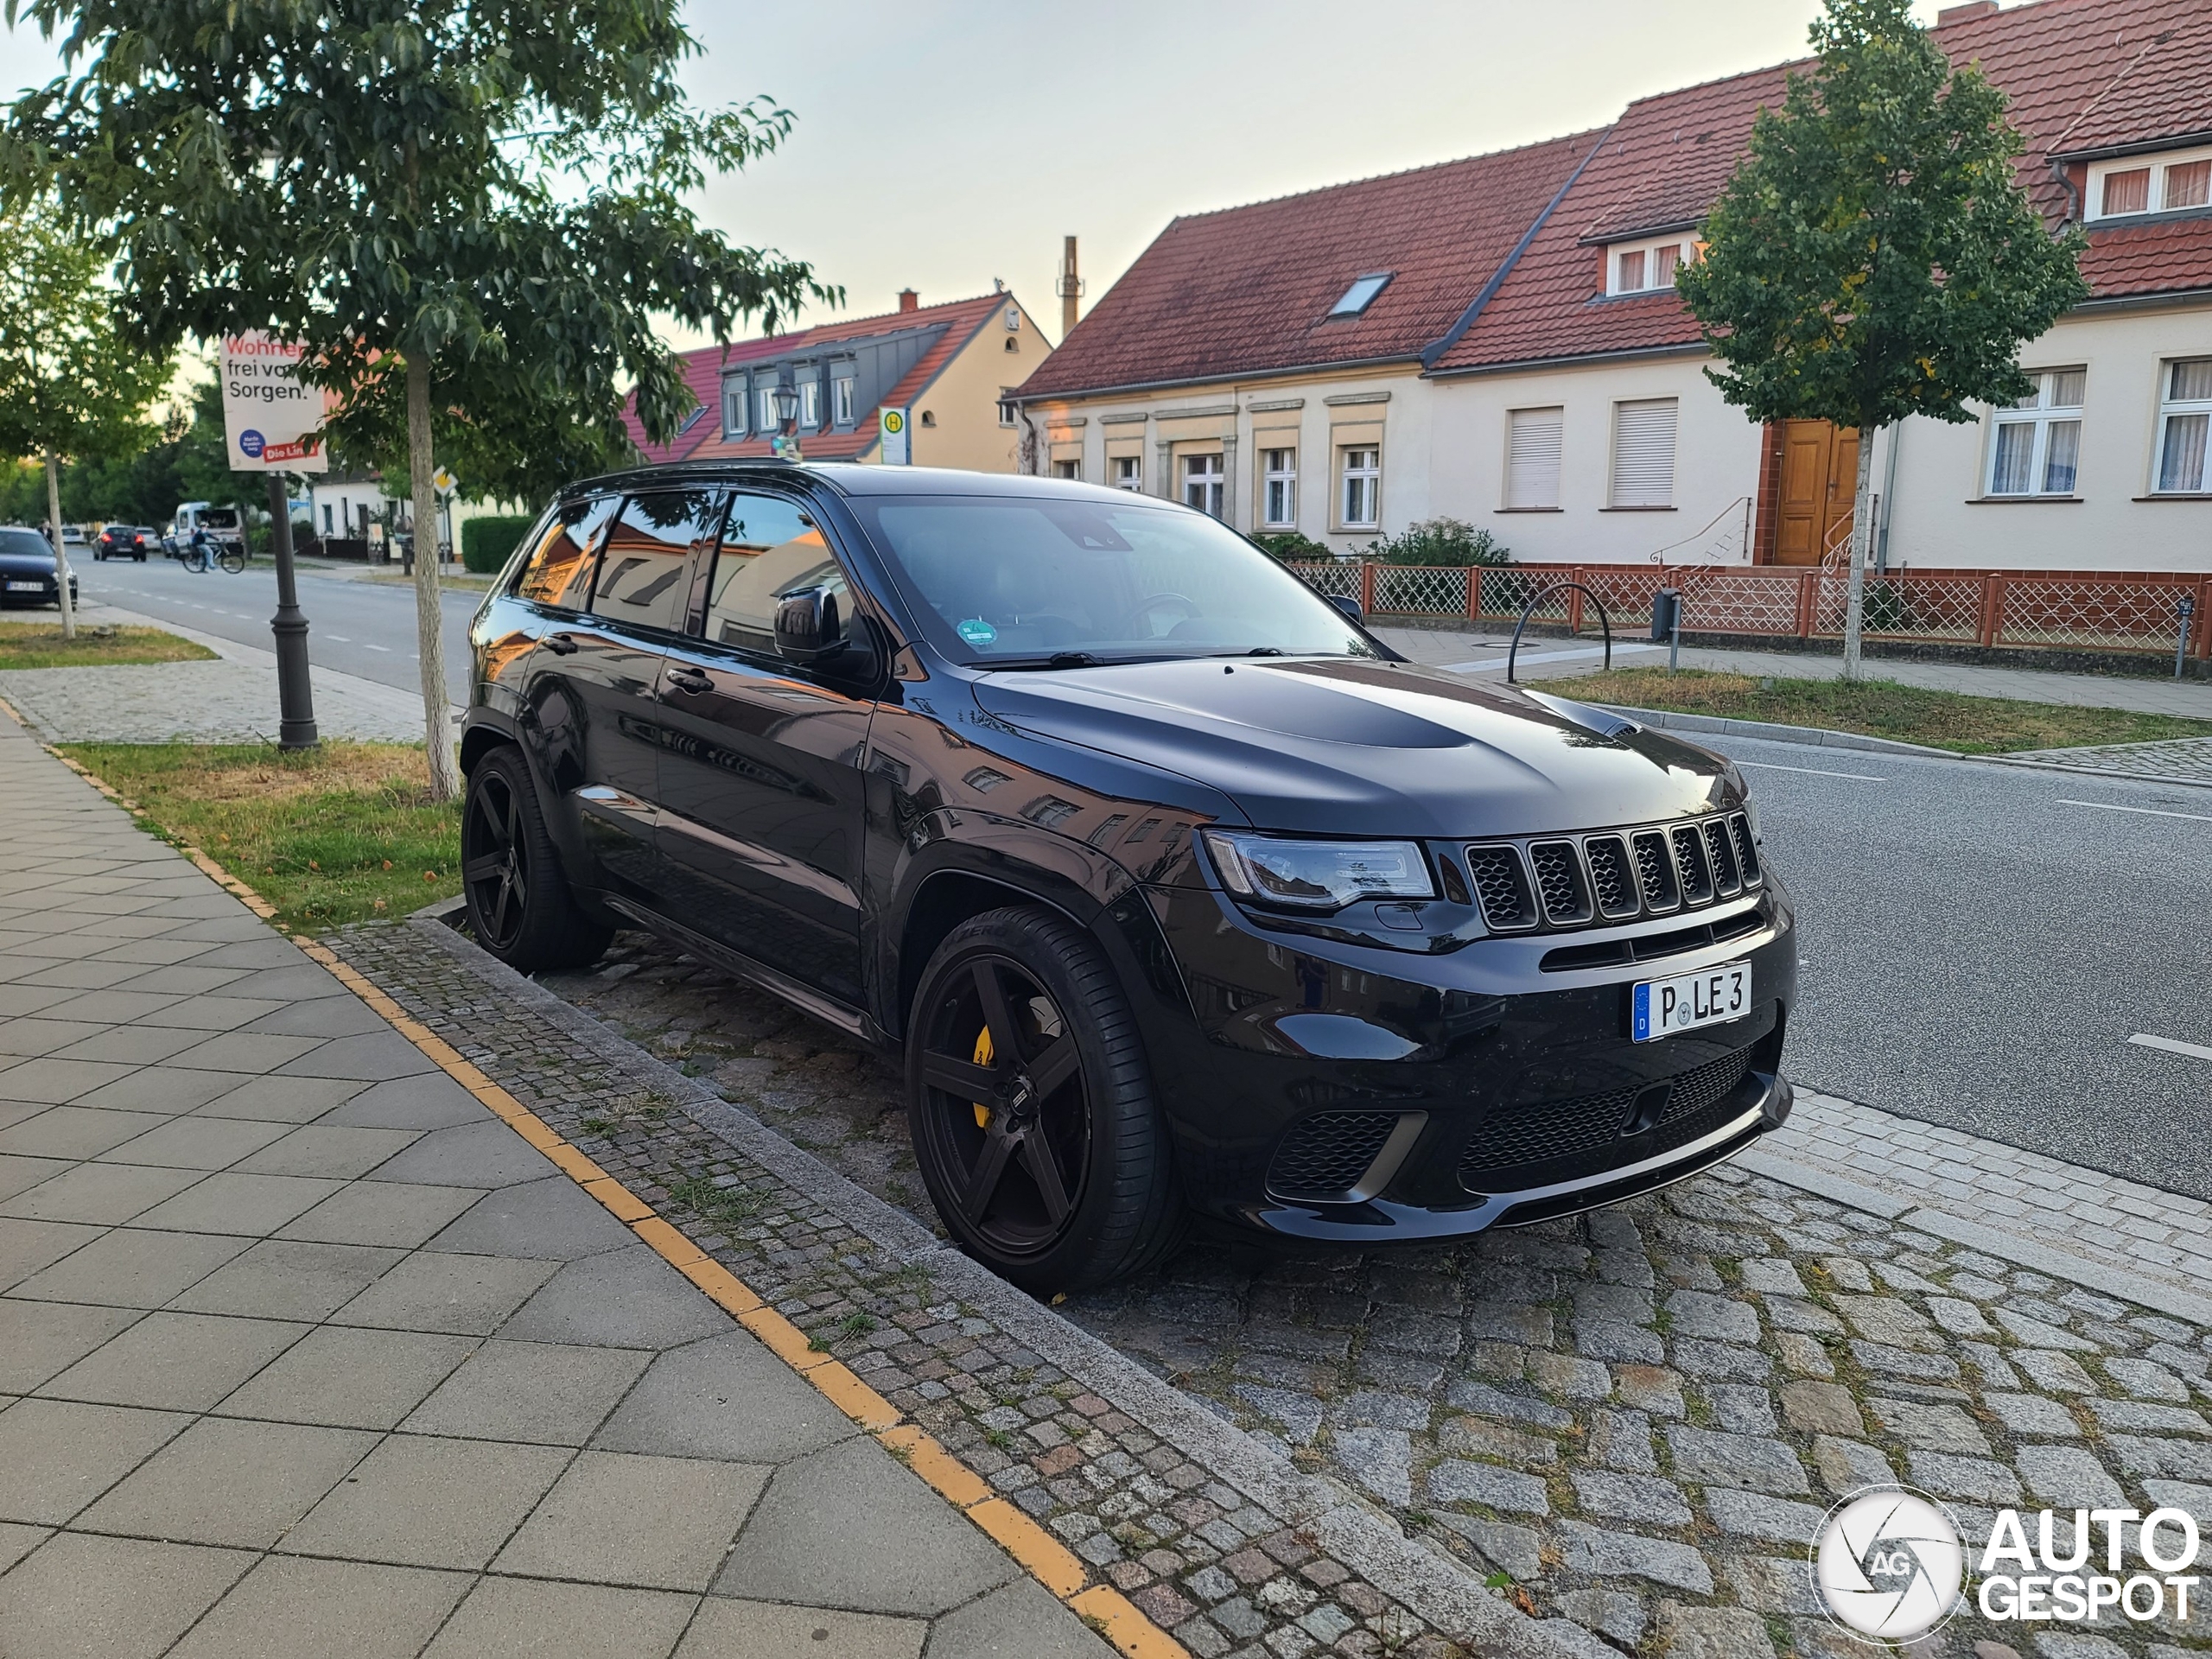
2181 644
1666 623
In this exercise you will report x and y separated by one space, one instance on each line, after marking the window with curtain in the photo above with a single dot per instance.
810 404
1279 488
1533 439
841 400
2173 183
2185 417
1361 474
765 402
1644 452
1202 483
2036 448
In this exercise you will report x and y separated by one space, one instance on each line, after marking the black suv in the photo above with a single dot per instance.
1175 889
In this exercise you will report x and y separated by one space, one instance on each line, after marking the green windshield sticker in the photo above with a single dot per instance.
976 632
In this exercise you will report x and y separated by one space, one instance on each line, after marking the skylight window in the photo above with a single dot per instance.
1361 294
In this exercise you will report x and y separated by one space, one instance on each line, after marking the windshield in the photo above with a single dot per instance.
1007 579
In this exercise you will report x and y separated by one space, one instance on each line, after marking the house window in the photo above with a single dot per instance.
2037 442
810 404
1007 416
1279 488
2184 415
1533 438
2162 184
1644 452
1202 482
1361 498
733 412
1129 472
1361 294
841 400
766 397
329 528
1647 266
1067 469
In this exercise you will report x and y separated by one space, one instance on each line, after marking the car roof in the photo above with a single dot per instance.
850 479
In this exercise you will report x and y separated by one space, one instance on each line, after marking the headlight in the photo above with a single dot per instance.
1318 875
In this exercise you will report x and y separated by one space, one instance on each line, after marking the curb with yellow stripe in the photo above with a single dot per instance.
1039 1554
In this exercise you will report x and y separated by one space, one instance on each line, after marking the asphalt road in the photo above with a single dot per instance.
1979 942
362 628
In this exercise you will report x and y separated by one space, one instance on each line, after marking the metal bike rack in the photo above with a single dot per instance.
1543 593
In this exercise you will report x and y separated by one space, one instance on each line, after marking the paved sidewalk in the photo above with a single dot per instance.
304 1352
1556 658
231 700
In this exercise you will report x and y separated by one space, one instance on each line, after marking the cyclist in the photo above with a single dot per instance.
195 557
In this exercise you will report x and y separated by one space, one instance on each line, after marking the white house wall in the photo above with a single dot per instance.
1716 463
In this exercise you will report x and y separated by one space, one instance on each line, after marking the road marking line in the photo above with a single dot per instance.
1814 771
2147 811
1036 1551
386 649
338 638
2196 1052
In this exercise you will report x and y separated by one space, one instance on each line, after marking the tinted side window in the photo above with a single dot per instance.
648 554
768 548
559 569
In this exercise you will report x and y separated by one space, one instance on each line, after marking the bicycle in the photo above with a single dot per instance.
196 560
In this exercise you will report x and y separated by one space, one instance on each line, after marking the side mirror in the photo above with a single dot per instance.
1349 606
807 626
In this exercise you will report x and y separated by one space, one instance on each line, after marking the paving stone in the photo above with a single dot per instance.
174 1361
2032 1414
419 1502
847 1527
1804 1355
2141 1454
758 1629
350 1378
287 1280
1568 1377
2142 1416
1685 1633
2054 1373
19 1174
618 1517
1960 1318
1846 1465
554 1219
486 1154
1627 1497
2066 1477
1821 1409
41 1339
382 1213
461 1295
1771 1275
1459 1481
1593 1550
232 1201
1612 1612
510 1618
1650 1388
289 1607
2039 1334
1980 1480
1722 1319
74 1132
1613 1339
226 1481
623 1299
1696 1357
1515 1407
530 1391
123 1269
1742 1408
1754 1515
1380 1459
1622 1440
62 1600
728 1398
2145 1379
1767 1586
1937 1427
1886 1360
1512 1549
1707 1455
60 1455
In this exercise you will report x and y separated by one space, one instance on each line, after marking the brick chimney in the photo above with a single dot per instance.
1962 13
909 300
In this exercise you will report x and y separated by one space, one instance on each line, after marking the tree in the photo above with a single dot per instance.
470 215
68 383
1874 255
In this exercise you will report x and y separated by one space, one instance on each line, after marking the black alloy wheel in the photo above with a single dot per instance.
520 905
1033 1120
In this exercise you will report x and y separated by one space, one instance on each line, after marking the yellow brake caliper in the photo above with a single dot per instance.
983 1053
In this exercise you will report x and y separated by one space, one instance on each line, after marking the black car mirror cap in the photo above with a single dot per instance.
807 631
1349 606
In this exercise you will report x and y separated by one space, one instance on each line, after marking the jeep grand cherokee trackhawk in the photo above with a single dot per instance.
1176 890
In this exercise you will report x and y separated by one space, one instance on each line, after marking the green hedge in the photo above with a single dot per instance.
486 542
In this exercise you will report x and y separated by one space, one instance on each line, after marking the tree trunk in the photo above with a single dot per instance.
1862 536
60 558
421 466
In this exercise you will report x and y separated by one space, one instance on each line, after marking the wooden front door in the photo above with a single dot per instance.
1820 472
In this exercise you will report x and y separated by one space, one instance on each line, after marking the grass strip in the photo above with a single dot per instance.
335 835
40 645
1908 714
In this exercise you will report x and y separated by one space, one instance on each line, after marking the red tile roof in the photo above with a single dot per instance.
703 368
2081 74
1246 290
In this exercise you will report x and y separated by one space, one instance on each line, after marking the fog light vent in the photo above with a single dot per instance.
1324 1157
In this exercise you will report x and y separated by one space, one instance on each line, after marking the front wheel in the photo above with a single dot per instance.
1032 1110
520 905
234 562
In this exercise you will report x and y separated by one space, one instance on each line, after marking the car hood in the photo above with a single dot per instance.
1358 747
26 564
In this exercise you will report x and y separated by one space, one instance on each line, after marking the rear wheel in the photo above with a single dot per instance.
1032 1116
520 905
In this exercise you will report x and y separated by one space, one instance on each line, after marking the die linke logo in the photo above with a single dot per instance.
1891 1564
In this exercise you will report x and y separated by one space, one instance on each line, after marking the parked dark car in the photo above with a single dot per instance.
1176 890
26 572
126 542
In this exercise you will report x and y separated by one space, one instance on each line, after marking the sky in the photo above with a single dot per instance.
943 143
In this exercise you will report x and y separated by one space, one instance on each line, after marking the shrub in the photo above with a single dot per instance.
486 542
1440 541
1290 547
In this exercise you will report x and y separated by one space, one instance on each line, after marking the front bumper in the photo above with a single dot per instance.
1465 1089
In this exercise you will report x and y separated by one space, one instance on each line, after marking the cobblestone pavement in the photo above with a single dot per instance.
2188 758
232 700
1632 1420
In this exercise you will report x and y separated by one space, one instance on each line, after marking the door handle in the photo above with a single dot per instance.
686 678
561 645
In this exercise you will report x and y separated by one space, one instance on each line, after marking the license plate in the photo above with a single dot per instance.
1660 1007
26 587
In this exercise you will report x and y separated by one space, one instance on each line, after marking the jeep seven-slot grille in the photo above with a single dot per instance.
1326 1154
1664 1115
1622 875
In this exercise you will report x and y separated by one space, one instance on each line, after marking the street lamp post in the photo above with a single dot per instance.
295 691
787 440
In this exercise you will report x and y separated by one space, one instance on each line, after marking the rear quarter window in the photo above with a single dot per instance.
558 570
